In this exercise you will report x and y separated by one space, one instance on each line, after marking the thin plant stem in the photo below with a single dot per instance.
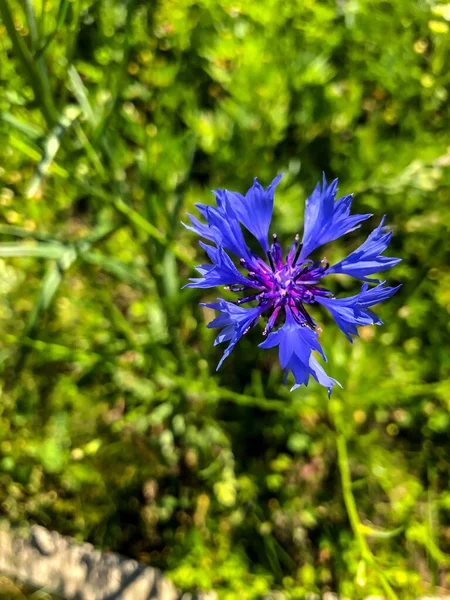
352 512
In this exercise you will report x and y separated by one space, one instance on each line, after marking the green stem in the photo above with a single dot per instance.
218 393
357 527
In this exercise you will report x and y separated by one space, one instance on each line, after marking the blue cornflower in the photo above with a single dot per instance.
285 286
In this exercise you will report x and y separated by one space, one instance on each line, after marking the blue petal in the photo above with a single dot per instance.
236 320
227 227
255 210
367 260
354 310
221 272
200 228
326 220
318 372
222 227
375 295
295 346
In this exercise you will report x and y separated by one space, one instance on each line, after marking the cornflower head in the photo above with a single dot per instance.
286 285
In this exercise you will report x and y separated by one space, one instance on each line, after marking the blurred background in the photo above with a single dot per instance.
116 117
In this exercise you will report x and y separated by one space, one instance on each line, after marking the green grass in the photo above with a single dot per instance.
115 118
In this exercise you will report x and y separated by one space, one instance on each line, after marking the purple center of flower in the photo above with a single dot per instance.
290 283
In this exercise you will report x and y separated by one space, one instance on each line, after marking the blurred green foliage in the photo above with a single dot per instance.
116 117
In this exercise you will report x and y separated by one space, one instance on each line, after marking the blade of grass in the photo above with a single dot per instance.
39 250
116 83
102 232
50 148
30 130
99 234
91 153
61 17
34 153
32 25
24 233
38 82
81 94
49 285
218 393
379 533
73 23
66 352
96 122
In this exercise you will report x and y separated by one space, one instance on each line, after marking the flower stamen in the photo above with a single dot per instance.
269 256
271 322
